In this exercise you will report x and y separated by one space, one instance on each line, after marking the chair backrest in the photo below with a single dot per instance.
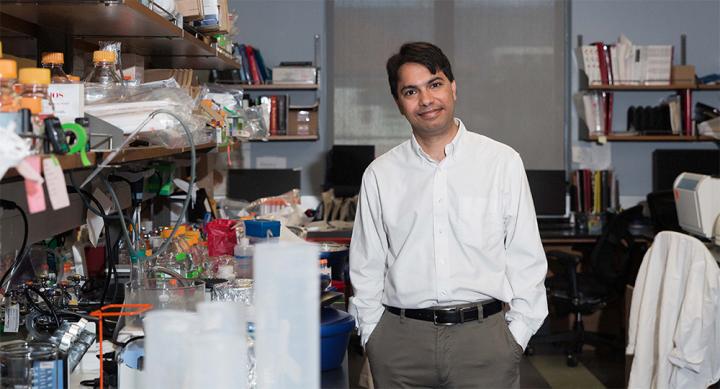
612 252
662 211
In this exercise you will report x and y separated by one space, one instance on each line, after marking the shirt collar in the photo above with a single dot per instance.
450 148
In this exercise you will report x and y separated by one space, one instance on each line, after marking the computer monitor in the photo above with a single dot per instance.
668 164
252 184
549 192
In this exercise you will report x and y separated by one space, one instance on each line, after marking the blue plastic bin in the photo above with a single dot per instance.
335 327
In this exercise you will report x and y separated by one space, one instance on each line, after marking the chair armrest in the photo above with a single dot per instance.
565 258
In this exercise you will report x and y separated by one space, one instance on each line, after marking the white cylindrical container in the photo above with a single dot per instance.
287 327
168 351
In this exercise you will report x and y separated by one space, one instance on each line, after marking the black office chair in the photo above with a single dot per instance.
600 283
663 213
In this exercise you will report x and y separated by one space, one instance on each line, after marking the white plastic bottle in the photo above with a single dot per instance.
243 259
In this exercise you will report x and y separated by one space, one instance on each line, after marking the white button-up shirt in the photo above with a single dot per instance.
457 231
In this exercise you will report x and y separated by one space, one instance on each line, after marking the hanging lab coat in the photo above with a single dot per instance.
675 316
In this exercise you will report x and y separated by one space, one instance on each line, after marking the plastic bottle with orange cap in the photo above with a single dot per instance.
8 79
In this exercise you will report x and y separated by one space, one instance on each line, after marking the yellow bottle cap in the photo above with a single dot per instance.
73 78
34 76
8 68
53 58
104 56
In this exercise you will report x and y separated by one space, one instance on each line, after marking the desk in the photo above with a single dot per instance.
555 236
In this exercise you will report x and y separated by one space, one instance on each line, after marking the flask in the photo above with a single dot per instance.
54 62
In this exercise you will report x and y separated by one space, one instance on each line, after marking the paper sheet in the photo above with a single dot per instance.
55 179
33 188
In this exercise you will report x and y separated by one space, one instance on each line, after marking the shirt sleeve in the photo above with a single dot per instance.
526 267
368 250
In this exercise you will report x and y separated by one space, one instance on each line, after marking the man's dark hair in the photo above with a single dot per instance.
422 53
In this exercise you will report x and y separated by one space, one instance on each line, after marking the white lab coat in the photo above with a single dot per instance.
674 326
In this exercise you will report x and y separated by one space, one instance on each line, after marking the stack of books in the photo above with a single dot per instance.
594 191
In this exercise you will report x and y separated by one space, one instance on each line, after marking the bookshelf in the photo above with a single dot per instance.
684 90
303 109
140 30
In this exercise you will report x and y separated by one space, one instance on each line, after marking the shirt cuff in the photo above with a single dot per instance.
365 332
520 332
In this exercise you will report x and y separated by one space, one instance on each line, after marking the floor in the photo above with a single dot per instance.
547 369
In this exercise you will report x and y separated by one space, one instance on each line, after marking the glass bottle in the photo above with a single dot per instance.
34 90
102 82
103 71
8 78
54 62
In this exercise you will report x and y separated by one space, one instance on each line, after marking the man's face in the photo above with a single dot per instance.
427 100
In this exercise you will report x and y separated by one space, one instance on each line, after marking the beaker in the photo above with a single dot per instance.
25 365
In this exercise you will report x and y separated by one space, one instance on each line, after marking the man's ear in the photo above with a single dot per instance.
454 90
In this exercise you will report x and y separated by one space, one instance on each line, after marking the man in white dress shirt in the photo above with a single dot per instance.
445 231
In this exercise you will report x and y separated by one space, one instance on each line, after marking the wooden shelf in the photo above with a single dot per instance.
153 152
642 87
72 162
271 86
653 138
67 162
668 87
141 30
288 138
708 87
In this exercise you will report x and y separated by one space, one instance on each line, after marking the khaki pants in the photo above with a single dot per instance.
409 353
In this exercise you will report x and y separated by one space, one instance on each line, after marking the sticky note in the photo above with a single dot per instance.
34 189
55 181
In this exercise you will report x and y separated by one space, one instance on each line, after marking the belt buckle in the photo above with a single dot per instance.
435 317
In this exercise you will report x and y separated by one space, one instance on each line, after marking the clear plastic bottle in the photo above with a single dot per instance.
8 78
34 90
244 259
54 62
103 81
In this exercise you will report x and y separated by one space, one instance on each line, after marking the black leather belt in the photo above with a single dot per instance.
449 316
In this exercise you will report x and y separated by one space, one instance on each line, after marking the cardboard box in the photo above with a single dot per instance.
223 16
302 122
294 75
69 101
683 75
190 9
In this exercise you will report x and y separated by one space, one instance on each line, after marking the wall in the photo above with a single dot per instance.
283 30
647 22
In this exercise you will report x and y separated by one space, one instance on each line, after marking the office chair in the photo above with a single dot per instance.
663 213
600 283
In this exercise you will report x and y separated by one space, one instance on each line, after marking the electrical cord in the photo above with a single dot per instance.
7 204
49 304
186 203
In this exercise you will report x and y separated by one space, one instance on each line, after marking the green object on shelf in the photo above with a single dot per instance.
81 140
162 181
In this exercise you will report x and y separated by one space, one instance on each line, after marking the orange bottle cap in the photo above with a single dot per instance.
104 56
34 76
8 68
53 58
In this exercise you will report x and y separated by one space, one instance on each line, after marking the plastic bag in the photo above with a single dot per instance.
221 237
